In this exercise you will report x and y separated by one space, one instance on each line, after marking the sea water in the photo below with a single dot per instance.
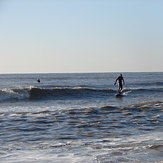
76 118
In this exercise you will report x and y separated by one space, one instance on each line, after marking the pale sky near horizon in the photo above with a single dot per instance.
64 36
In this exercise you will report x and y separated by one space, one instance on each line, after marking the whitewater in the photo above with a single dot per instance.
76 117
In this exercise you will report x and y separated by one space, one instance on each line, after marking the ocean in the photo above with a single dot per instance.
77 118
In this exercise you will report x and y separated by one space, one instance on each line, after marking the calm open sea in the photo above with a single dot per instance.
77 118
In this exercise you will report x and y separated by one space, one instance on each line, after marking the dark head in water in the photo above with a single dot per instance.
38 80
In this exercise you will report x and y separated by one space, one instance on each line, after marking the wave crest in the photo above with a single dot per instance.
68 93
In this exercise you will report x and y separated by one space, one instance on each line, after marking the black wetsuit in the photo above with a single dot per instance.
120 79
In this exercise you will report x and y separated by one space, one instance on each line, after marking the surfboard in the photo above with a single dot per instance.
119 94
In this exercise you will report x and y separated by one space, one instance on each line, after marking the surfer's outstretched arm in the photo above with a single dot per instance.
115 81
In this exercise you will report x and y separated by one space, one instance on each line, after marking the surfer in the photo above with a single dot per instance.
120 79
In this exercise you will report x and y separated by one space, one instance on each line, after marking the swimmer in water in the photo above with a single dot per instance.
38 80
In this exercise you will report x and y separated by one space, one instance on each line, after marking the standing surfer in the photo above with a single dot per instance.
120 79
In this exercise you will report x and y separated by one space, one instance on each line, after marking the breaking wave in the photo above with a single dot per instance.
66 93
14 94
63 93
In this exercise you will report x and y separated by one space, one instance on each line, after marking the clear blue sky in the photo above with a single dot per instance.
58 36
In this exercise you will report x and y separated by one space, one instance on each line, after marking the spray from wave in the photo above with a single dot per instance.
14 94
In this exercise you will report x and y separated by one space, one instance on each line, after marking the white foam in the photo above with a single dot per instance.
6 94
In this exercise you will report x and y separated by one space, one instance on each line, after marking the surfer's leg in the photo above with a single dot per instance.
120 87
119 90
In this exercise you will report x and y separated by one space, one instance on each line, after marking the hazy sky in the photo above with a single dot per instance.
59 36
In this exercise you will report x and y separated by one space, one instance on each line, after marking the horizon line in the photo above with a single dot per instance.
10 73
